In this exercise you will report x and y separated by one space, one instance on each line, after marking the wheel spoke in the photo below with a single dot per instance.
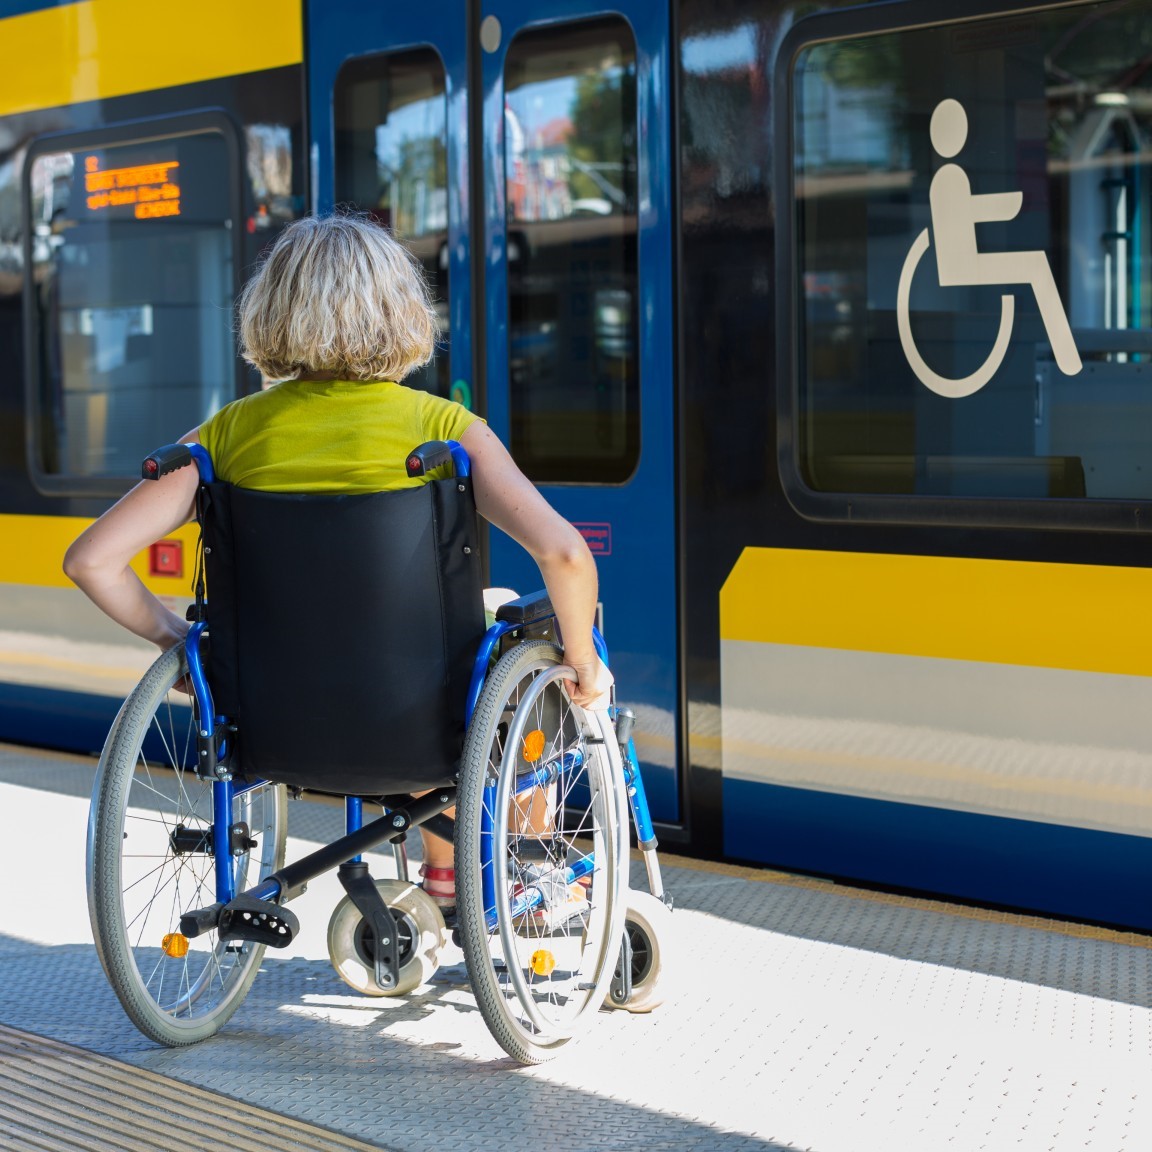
141 880
543 968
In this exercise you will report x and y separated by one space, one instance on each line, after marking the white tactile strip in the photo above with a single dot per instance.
807 1016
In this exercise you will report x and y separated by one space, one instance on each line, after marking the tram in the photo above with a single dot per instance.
773 300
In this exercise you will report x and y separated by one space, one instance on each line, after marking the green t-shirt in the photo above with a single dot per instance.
327 436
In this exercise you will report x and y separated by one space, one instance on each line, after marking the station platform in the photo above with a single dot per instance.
802 1015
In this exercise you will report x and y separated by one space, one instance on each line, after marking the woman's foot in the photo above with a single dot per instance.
440 885
560 900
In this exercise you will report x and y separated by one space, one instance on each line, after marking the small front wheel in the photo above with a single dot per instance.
352 945
646 925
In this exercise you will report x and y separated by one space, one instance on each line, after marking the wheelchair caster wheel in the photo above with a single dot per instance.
646 921
422 938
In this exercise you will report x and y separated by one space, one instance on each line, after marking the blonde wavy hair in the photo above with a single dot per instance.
337 296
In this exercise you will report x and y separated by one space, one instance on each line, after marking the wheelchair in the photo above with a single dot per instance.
273 693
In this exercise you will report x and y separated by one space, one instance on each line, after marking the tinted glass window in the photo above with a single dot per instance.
132 281
392 161
570 171
974 265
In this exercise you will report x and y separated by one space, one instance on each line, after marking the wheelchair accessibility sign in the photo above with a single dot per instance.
955 212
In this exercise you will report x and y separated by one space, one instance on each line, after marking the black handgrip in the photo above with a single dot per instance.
165 460
429 455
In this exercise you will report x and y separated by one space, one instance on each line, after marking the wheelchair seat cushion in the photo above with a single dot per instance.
343 632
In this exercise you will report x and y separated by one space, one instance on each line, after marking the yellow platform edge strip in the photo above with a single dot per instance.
1081 617
97 49
32 550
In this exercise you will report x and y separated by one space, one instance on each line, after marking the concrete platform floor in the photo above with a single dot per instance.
802 1015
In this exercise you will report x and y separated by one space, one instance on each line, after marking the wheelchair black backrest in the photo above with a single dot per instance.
343 630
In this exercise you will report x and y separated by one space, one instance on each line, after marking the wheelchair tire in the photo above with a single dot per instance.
422 939
149 860
646 923
539 976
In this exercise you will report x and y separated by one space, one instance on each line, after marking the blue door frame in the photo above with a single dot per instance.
340 30
638 572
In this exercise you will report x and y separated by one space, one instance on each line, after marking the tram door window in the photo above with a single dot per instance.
502 145
391 155
1043 123
570 161
131 275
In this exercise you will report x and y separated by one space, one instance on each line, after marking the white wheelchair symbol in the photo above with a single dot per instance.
955 213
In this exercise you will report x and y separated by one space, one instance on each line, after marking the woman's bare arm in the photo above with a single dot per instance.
98 560
506 498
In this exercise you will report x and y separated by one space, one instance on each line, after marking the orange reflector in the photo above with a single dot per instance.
175 944
542 962
533 746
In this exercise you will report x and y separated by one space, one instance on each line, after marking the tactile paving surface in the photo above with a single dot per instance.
59 1098
802 1016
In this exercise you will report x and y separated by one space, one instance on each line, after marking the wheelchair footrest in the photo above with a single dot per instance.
249 918
244 918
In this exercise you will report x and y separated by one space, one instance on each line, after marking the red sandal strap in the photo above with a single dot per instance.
440 884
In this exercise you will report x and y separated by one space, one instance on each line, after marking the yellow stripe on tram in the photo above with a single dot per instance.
32 549
1076 616
96 49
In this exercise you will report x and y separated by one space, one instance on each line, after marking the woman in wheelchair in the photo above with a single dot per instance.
337 315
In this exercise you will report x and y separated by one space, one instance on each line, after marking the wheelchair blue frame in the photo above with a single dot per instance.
359 837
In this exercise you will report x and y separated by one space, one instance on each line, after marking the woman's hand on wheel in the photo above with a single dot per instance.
593 687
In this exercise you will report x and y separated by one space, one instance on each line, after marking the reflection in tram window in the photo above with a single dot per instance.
906 390
570 170
132 278
391 161
268 150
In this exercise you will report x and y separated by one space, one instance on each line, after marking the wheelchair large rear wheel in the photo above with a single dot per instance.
150 860
541 855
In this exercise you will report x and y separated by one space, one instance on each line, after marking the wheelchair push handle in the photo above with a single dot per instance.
419 461
433 453
165 460
173 457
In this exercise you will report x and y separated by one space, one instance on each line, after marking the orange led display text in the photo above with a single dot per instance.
150 189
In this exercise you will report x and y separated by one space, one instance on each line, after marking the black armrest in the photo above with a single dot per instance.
528 609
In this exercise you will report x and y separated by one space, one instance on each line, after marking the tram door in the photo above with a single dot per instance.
525 161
